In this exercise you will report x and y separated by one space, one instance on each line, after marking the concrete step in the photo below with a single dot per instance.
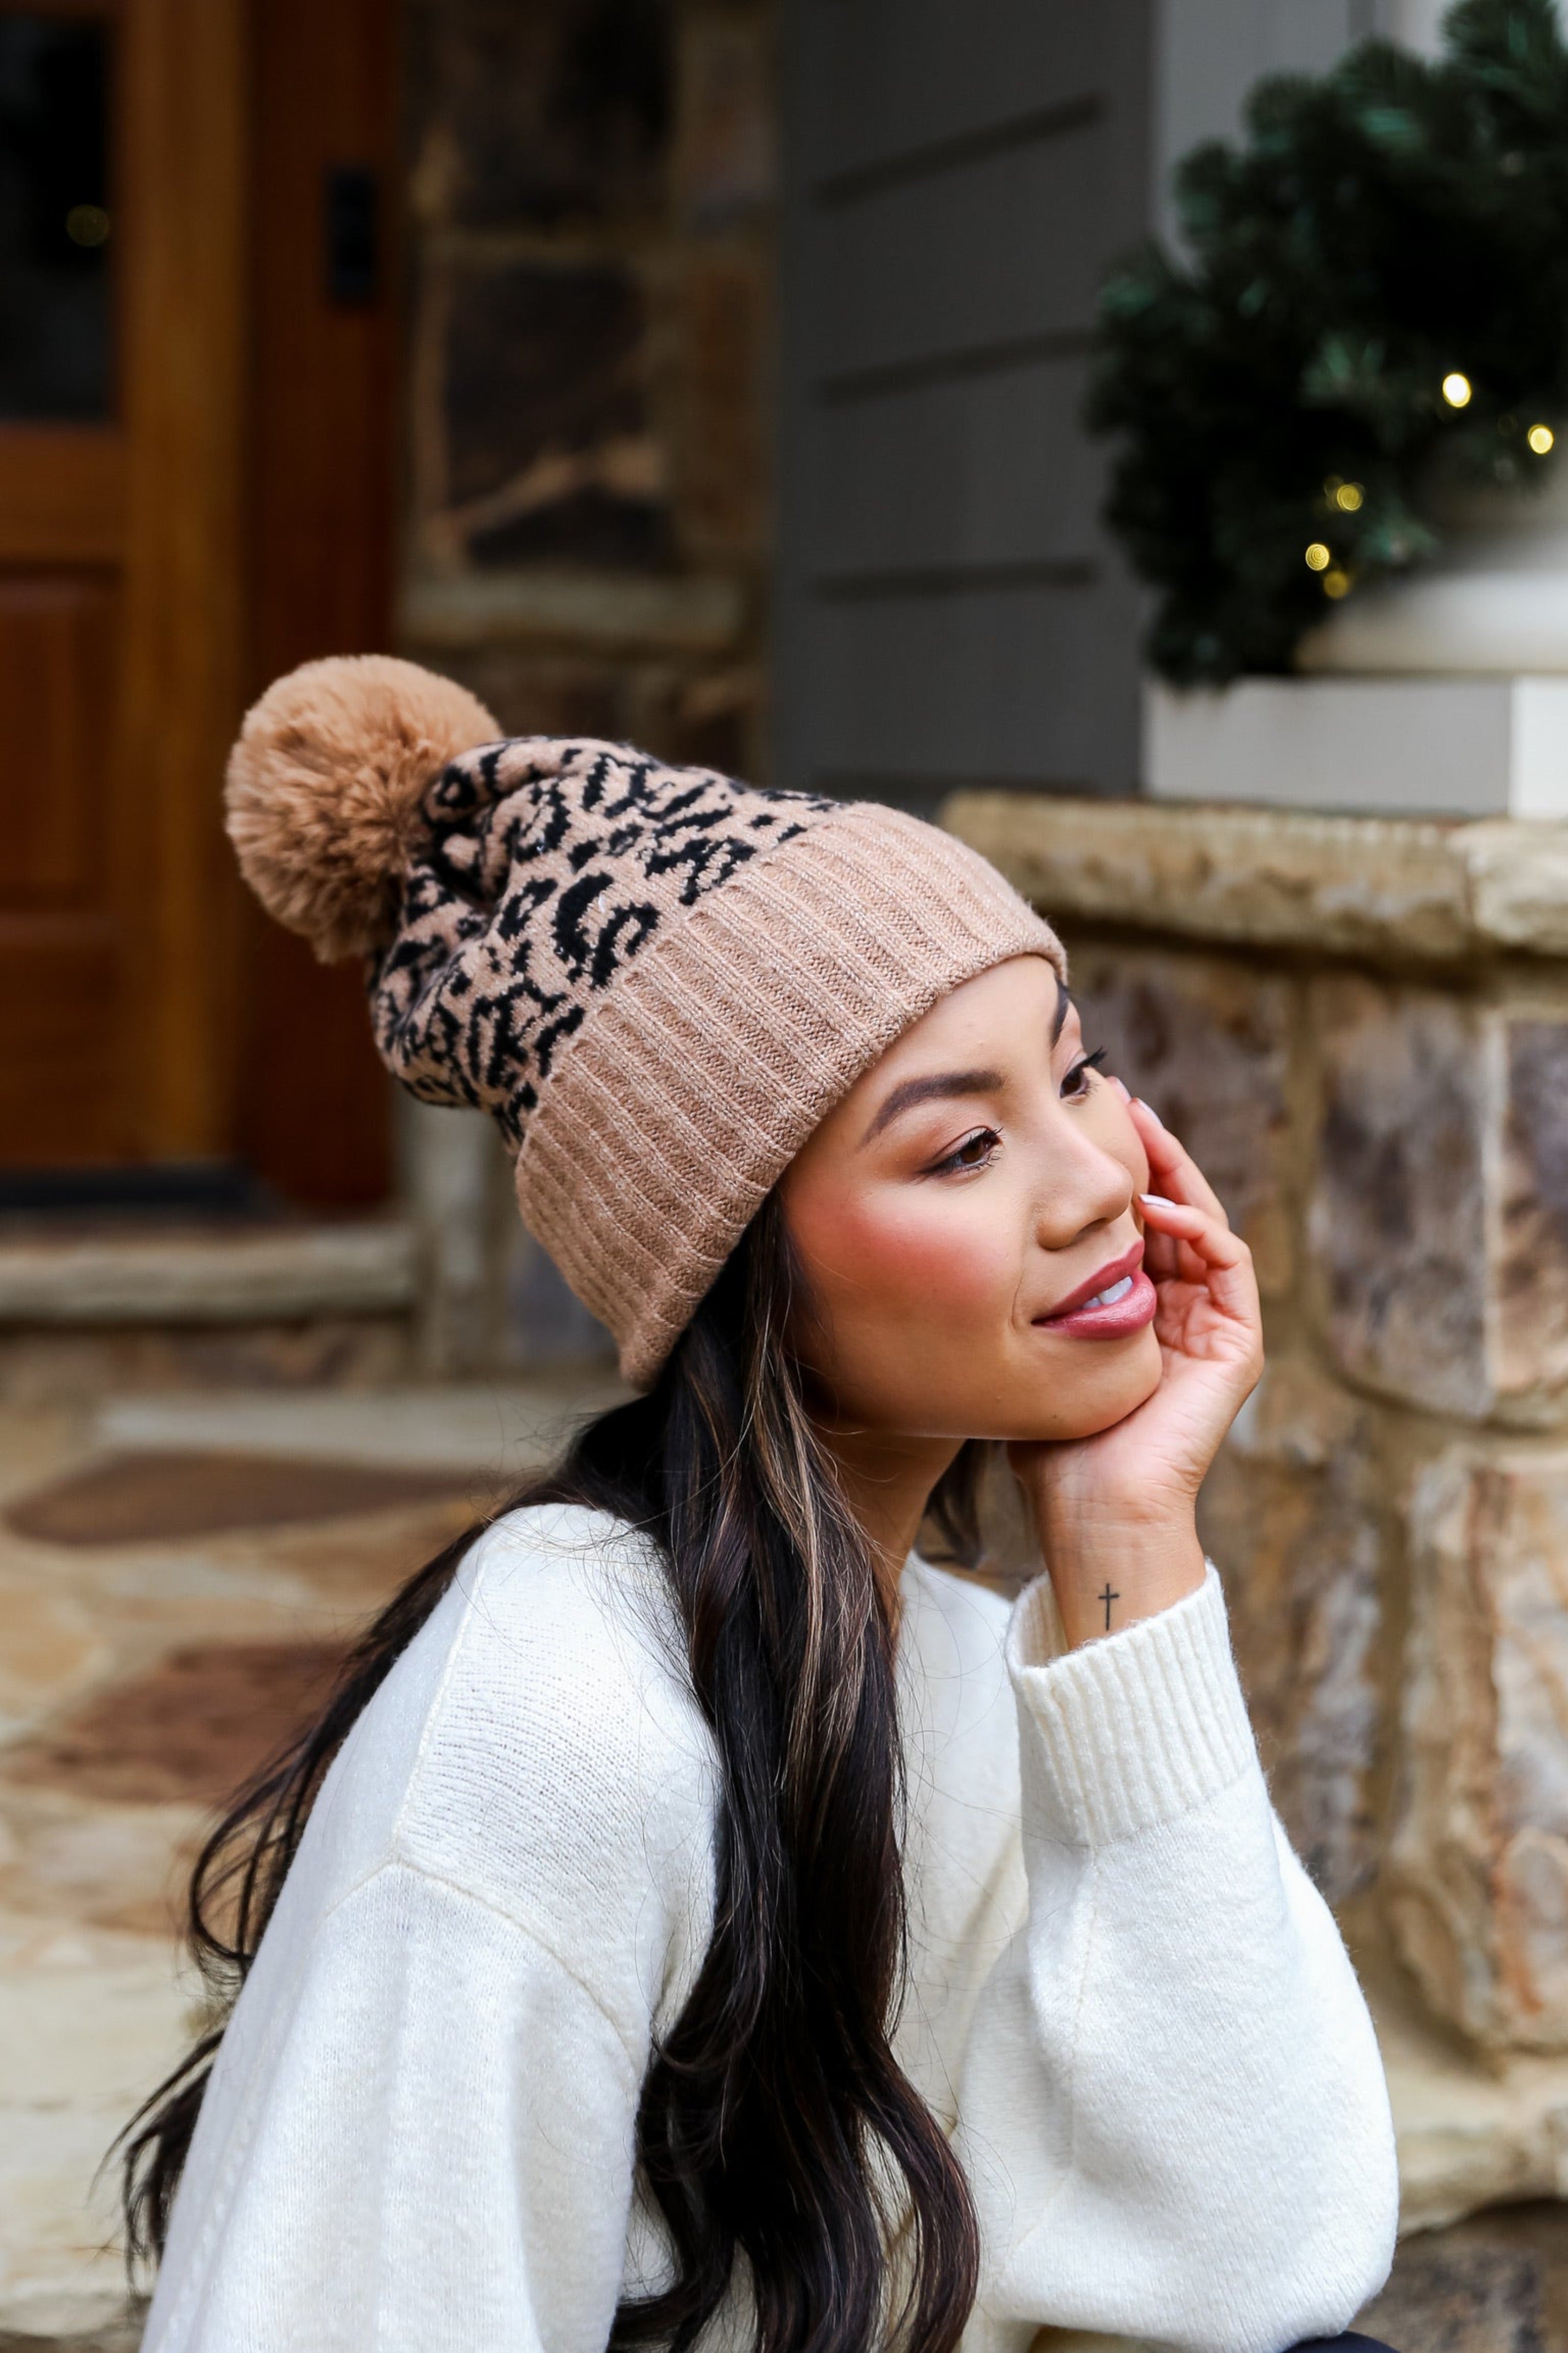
85 1309
256 1274
470 1426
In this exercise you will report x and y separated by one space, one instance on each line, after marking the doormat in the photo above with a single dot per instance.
156 1497
189 1731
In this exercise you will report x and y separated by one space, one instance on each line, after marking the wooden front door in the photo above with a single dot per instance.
120 373
195 483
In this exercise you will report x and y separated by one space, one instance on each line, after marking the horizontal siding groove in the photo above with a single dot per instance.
862 180
952 579
948 367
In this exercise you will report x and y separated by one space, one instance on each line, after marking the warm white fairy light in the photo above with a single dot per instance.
1318 557
1457 389
1540 438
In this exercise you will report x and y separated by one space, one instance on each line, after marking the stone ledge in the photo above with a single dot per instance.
1469 2135
1393 888
208 1278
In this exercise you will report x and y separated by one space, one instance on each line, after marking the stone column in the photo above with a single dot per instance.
1479 1864
1439 1227
492 1301
454 1171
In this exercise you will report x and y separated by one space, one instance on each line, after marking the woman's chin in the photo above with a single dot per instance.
1124 1376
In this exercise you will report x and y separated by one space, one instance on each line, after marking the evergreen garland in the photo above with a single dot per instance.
1389 229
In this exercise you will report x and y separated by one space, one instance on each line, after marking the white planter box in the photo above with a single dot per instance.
1474 747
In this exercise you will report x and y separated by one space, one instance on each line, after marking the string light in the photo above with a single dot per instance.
1457 389
1540 438
1318 557
1349 496
1336 582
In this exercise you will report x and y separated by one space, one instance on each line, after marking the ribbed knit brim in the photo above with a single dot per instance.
719 1050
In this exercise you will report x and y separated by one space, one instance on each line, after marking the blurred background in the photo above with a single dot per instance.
713 373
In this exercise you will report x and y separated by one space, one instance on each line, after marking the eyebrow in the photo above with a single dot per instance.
948 1086
941 1086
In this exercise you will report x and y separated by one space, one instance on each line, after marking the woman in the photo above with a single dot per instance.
696 1916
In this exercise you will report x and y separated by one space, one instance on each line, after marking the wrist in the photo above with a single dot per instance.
1108 1575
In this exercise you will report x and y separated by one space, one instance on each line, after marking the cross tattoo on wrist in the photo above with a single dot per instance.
1108 1596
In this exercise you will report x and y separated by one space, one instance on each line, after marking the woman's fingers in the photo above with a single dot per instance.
1204 1230
1173 1170
1208 1252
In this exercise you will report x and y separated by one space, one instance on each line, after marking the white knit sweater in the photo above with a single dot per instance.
1126 2000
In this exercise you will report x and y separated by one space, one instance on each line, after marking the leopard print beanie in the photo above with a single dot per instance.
657 980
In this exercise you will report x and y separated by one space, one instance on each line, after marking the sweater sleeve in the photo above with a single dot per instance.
443 2157
1173 2109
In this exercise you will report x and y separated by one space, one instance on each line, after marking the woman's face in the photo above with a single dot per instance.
967 1221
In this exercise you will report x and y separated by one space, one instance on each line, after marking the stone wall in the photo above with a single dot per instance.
589 272
587 532
1361 1028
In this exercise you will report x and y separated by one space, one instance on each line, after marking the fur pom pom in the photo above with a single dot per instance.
324 787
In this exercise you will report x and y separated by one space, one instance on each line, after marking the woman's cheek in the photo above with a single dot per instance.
926 1257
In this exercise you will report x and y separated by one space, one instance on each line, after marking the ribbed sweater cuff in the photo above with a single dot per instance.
1135 1729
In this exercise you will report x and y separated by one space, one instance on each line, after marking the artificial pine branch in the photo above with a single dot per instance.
1386 226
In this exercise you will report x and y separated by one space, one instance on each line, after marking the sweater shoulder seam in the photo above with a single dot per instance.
438 1696
386 1865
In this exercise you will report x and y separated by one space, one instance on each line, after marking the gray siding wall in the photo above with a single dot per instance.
958 173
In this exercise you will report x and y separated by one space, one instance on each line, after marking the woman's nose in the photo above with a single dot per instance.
1081 1185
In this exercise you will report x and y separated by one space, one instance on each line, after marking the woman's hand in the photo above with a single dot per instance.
1117 1511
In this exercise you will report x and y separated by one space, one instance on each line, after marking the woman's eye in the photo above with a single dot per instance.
974 1152
1076 1080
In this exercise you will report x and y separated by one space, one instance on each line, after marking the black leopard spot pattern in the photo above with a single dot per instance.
548 866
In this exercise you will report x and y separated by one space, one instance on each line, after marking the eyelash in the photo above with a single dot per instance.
1095 1062
955 1165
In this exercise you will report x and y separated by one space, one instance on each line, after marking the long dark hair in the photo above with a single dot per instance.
776 2132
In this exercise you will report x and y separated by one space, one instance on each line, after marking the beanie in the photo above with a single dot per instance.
657 980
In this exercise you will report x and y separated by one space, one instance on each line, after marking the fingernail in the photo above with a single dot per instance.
1121 1089
1152 1112
1158 1201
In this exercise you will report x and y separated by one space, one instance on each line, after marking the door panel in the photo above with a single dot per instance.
62 495
56 667
63 952
60 1094
119 573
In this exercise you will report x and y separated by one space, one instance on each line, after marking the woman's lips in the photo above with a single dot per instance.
1118 1300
